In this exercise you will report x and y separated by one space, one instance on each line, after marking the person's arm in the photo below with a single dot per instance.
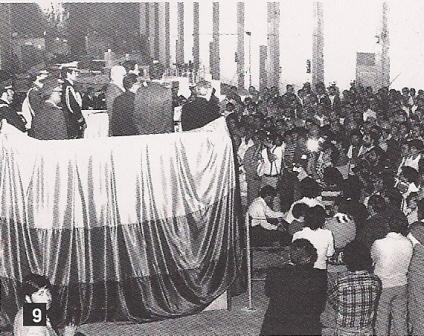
330 249
373 252
332 295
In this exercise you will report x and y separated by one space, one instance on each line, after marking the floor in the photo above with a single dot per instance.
237 321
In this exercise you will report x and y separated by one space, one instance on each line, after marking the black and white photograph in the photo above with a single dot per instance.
211 167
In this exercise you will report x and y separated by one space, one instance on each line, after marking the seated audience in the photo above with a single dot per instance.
297 294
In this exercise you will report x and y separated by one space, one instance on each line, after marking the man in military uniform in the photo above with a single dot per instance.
71 104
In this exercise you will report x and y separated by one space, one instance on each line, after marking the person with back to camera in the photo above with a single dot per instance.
322 239
297 294
354 294
153 111
37 289
201 110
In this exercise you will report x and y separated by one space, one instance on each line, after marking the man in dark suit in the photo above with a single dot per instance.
49 121
6 112
153 112
71 104
201 110
122 122
297 294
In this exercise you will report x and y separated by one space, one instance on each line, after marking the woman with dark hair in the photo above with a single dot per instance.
322 239
297 294
37 289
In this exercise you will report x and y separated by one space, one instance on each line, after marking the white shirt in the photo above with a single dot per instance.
323 241
272 168
413 162
391 256
243 147
259 211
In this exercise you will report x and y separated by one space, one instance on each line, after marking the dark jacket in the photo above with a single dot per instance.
14 119
122 122
153 112
49 123
297 296
74 118
198 113
376 227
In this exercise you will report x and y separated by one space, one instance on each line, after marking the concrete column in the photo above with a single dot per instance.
263 54
383 55
318 44
240 44
196 42
144 30
179 58
273 18
163 36
215 69
5 37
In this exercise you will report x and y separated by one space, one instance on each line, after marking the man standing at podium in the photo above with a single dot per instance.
201 110
153 112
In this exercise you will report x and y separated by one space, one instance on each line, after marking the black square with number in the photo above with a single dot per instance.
35 314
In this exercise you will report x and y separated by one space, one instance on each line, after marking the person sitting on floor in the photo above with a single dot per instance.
299 212
267 224
297 294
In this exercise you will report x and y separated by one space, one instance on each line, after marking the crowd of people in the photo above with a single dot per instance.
341 172
338 176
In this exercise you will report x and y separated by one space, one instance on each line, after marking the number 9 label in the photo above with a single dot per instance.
34 314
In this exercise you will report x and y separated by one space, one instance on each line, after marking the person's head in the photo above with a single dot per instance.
230 107
357 257
36 289
302 252
315 217
299 211
267 193
6 93
131 83
38 76
309 188
355 137
117 74
289 88
51 91
376 205
131 67
156 71
409 174
204 89
415 146
68 73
